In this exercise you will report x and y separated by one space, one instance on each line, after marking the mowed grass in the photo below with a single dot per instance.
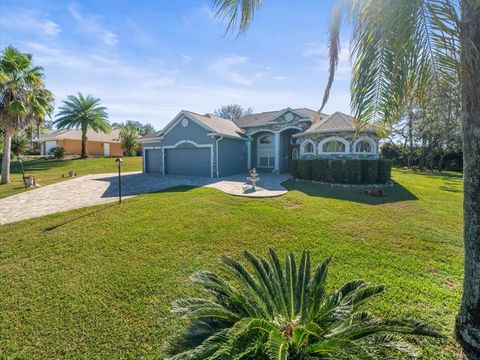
49 171
98 282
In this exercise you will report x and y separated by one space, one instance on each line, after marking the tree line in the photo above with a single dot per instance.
25 105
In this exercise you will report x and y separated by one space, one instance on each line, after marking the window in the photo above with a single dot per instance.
363 146
266 151
308 147
295 153
333 146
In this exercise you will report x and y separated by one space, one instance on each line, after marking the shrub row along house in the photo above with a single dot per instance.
207 145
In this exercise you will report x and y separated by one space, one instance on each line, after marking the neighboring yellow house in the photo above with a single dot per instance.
98 143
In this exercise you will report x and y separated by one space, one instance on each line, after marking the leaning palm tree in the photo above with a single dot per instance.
400 49
285 312
83 112
23 99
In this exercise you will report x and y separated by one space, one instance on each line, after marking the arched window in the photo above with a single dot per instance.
266 151
365 145
334 145
308 148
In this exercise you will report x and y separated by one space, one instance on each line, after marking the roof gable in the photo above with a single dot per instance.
211 123
270 117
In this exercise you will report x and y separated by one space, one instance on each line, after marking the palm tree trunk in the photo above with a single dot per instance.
84 153
7 145
468 320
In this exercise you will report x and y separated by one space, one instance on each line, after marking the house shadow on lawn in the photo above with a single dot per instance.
395 193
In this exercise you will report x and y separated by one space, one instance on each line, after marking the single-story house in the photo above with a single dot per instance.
207 145
98 143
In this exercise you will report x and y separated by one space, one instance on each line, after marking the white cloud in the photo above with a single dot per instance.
28 20
228 68
186 59
92 24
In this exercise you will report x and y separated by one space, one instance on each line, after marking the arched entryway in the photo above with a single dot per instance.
272 150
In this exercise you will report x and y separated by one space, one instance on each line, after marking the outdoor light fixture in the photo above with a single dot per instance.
19 159
119 161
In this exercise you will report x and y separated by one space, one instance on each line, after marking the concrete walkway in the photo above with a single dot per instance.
103 188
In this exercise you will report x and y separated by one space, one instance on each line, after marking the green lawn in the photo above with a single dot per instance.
49 171
98 282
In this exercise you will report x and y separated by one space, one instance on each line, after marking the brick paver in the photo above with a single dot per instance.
103 188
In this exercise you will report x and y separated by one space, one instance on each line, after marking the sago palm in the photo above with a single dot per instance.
23 99
402 49
284 311
83 112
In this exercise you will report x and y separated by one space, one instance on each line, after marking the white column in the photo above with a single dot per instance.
249 154
277 152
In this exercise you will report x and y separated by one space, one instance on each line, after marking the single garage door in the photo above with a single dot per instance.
188 161
153 160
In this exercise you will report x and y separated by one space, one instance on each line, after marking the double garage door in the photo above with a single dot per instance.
180 161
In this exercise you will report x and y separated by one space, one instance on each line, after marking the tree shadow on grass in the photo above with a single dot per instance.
396 193
75 218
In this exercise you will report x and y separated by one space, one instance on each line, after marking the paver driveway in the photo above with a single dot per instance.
103 188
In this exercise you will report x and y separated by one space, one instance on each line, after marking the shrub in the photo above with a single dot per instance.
58 152
321 170
384 171
338 173
369 171
305 169
293 167
353 171
284 311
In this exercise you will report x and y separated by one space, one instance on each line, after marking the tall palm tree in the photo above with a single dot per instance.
83 113
23 99
404 48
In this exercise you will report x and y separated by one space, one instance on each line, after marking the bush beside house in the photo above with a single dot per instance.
342 171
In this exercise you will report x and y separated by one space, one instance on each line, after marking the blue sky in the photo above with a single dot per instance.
147 60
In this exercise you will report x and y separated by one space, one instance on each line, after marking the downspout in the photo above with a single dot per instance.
216 153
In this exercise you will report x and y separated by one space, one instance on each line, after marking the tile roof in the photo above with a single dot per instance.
263 118
337 121
217 124
76 134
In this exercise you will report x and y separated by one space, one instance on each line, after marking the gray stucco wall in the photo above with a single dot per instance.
232 157
192 132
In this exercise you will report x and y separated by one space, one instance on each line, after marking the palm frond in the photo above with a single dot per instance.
283 312
237 13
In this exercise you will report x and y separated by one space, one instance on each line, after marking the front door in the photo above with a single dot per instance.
106 149
266 151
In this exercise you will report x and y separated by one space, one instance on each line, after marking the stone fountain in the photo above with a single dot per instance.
253 178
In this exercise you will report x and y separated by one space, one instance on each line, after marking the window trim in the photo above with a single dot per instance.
304 144
370 141
334 138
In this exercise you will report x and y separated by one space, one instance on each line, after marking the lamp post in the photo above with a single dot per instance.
23 171
119 161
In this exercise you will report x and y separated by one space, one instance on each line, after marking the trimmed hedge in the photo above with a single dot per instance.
293 168
338 172
305 169
353 172
384 171
369 171
342 171
321 170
